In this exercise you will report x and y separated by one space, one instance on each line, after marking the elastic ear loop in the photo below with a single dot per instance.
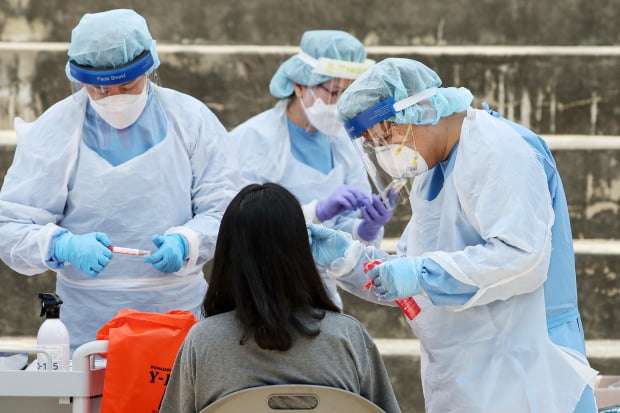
415 147
404 141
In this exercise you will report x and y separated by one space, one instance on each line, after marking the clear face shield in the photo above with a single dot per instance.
328 80
388 149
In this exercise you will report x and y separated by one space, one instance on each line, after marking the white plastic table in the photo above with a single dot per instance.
76 391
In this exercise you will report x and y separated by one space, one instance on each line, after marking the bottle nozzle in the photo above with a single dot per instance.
50 305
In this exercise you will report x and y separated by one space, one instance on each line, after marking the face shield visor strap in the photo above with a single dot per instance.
382 111
402 144
108 77
335 68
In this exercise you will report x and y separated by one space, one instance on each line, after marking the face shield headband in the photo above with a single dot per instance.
335 68
108 77
382 111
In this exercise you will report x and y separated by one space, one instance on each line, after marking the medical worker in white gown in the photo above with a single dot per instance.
301 144
120 162
475 253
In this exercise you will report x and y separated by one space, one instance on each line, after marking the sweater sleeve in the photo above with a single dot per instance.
179 396
375 383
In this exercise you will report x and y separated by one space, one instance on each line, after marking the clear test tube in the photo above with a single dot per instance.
129 251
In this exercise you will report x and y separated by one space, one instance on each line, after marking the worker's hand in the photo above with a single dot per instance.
171 251
345 198
375 214
397 278
88 252
327 244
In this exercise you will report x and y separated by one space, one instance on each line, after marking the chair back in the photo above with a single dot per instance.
283 398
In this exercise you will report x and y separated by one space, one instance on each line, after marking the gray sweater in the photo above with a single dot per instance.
211 363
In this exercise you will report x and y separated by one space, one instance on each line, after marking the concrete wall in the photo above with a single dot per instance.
553 91
383 22
550 65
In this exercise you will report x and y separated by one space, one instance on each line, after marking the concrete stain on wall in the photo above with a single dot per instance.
602 193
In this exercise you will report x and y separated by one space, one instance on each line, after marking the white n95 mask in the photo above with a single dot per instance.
323 117
400 161
120 111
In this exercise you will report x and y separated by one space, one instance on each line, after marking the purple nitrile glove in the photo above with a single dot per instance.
375 215
345 198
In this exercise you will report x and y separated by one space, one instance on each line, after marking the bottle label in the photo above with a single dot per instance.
409 307
56 356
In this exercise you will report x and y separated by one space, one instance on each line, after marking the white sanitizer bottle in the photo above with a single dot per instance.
53 335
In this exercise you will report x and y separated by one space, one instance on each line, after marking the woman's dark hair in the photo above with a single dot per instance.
264 270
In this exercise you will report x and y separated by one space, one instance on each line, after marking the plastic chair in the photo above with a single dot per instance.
292 398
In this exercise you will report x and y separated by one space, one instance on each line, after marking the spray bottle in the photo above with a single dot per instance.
53 335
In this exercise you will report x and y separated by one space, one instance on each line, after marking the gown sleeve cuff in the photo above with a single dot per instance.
309 211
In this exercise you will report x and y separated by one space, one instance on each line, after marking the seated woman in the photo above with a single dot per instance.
269 319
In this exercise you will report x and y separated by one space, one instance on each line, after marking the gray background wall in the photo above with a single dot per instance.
551 65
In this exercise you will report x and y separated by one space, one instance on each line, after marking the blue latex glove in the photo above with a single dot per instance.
375 215
397 278
345 198
171 251
327 244
88 252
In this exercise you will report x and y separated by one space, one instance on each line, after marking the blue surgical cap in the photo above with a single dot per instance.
332 44
110 39
400 78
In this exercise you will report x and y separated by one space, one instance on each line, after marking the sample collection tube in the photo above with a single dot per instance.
129 251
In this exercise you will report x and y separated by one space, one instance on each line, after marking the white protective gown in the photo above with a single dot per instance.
265 155
489 226
182 184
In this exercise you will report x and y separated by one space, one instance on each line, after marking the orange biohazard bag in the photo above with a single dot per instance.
142 348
